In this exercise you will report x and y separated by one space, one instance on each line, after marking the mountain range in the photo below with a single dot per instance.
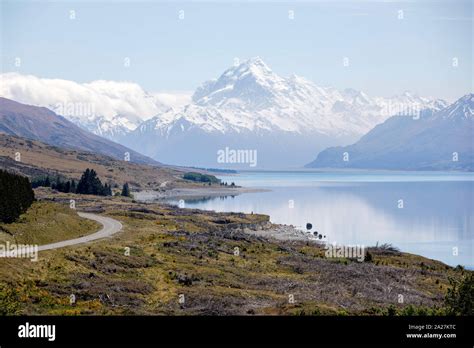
249 107
443 140
40 123
286 121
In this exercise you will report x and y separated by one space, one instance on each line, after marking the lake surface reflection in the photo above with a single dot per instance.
430 214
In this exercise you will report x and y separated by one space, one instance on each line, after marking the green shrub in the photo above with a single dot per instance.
9 300
460 297
198 177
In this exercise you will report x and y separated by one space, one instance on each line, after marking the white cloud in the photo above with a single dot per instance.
174 99
87 101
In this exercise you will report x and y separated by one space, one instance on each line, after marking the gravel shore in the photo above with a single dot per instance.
283 232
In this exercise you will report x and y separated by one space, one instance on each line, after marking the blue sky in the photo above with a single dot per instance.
386 55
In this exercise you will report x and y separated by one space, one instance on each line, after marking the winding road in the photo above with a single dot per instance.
110 227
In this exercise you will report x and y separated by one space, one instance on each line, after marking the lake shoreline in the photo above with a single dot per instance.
194 192
359 208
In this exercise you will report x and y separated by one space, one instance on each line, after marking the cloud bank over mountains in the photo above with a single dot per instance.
104 107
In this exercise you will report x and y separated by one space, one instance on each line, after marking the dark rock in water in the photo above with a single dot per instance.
320 236
309 226
315 233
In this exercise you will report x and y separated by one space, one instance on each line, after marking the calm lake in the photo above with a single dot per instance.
425 213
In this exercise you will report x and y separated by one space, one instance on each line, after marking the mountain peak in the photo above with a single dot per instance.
298 79
468 98
251 81
255 67
354 96
463 108
256 61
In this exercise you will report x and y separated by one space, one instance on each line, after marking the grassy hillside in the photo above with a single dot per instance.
47 222
39 159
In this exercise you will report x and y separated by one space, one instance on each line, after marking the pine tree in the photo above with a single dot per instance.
97 188
90 184
59 184
84 183
17 196
107 191
125 190
67 187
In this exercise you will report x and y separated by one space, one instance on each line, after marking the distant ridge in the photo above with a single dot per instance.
39 123
443 140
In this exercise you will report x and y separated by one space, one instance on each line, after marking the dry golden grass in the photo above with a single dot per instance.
72 164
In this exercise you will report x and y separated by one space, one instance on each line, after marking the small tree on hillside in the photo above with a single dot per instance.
126 190
67 187
107 190
16 196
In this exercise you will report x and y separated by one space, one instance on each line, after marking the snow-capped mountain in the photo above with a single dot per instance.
463 109
251 107
106 108
439 141
251 97
286 119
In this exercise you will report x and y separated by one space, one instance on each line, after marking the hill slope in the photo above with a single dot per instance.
39 159
39 123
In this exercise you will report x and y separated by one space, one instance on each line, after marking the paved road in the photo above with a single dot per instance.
110 226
